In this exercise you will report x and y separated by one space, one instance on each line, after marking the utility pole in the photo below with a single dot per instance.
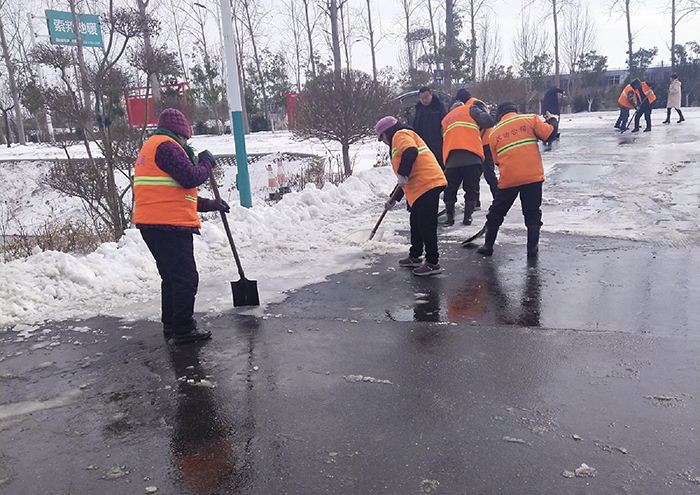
236 106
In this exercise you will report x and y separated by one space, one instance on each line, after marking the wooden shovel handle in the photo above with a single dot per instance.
212 183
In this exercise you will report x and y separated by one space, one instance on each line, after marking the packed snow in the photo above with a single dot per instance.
642 186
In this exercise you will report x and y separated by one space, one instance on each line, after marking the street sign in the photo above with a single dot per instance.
438 75
61 28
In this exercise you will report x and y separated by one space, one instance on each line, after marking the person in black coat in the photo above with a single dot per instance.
550 101
428 121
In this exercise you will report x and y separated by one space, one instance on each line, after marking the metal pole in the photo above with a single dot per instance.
236 106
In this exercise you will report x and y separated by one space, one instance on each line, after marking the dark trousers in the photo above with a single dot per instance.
489 170
424 221
174 255
623 118
467 177
530 201
644 109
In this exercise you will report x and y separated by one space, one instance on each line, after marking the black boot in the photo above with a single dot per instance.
680 114
450 211
636 129
668 117
468 210
489 240
533 239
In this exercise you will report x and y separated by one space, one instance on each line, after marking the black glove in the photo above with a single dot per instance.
206 156
221 205
205 205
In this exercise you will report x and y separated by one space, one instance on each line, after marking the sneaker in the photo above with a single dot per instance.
427 269
192 336
411 262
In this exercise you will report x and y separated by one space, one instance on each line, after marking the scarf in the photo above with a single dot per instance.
188 149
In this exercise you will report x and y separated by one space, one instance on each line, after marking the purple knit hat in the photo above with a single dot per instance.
174 121
383 125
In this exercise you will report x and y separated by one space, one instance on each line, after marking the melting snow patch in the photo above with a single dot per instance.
369 379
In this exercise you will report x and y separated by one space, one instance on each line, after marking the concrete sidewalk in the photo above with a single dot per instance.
499 376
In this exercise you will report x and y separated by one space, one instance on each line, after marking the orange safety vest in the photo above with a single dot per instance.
461 132
158 198
426 173
626 99
514 148
647 91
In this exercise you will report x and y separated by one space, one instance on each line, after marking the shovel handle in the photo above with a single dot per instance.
376 226
212 183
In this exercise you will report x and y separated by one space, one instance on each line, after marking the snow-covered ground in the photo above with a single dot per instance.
599 183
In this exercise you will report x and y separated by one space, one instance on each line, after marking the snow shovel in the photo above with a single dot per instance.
360 236
245 292
475 236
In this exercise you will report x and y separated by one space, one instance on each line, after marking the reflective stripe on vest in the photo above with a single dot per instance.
516 144
158 198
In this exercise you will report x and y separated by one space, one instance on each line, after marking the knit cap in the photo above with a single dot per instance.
504 108
463 95
174 121
384 124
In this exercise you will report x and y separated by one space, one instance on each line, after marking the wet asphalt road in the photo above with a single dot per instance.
493 378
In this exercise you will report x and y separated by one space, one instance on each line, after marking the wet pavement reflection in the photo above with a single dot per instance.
201 444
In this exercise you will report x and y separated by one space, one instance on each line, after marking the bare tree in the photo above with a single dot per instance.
554 9
529 50
372 44
450 48
9 64
489 47
344 110
332 8
477 13
680 10
624 7
251 16
409 8
294 25
432 14
578 38
310 25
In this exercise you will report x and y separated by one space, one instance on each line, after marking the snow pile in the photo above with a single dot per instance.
598 182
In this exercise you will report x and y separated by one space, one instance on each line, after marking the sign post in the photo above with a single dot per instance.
236 106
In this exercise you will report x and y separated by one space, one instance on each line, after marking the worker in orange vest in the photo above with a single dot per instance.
166 176
463 152
420 178
626 101
644 96
514 148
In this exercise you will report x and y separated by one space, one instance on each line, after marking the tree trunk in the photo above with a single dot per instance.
256 58
347 166
407 18
431 16
472 16
13 85
449 43
87 104
556 44
309 34
371 41
629 36
335 38
673 36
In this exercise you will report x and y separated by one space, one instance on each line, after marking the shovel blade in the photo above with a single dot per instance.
245 293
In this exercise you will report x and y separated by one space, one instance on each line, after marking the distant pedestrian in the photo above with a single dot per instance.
550 103
674 100
626 101
513 142
166 176
464 152
427 122
644 97
421 179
